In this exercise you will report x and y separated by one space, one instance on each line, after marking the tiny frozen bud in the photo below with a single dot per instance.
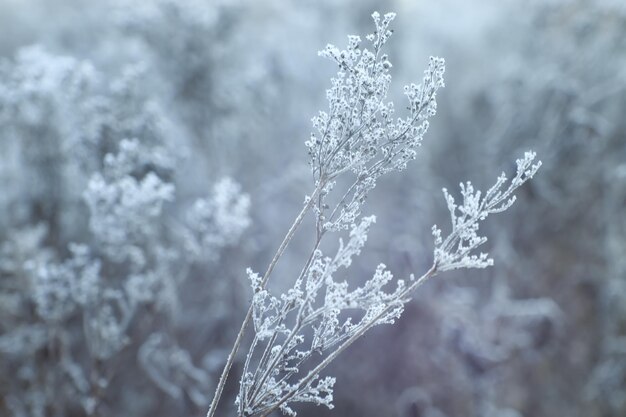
354 41
389 16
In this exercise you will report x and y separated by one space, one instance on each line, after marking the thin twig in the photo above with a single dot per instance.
281 249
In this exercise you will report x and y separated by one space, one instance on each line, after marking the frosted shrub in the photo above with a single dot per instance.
122 207
107 246
298 333
218 220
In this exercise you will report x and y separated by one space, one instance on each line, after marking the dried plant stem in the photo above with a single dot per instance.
281 249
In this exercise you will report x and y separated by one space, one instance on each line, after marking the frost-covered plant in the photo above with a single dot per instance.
106 245
299 333
218 220
38 92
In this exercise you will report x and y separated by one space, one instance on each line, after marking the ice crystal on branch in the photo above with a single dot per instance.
456 250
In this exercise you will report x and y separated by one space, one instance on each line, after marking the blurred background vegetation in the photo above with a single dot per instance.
151 150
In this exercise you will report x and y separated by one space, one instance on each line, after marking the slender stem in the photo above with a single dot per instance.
276 359
262 364
343 200
281 249
229 364
242 400
292 232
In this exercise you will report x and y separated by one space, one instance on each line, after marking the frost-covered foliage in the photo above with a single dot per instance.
96 239
217 221
299 333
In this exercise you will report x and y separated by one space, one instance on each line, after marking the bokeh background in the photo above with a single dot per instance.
152 150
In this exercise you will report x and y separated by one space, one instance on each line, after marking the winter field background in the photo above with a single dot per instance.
152 151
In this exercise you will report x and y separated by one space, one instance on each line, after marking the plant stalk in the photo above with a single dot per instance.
281 249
